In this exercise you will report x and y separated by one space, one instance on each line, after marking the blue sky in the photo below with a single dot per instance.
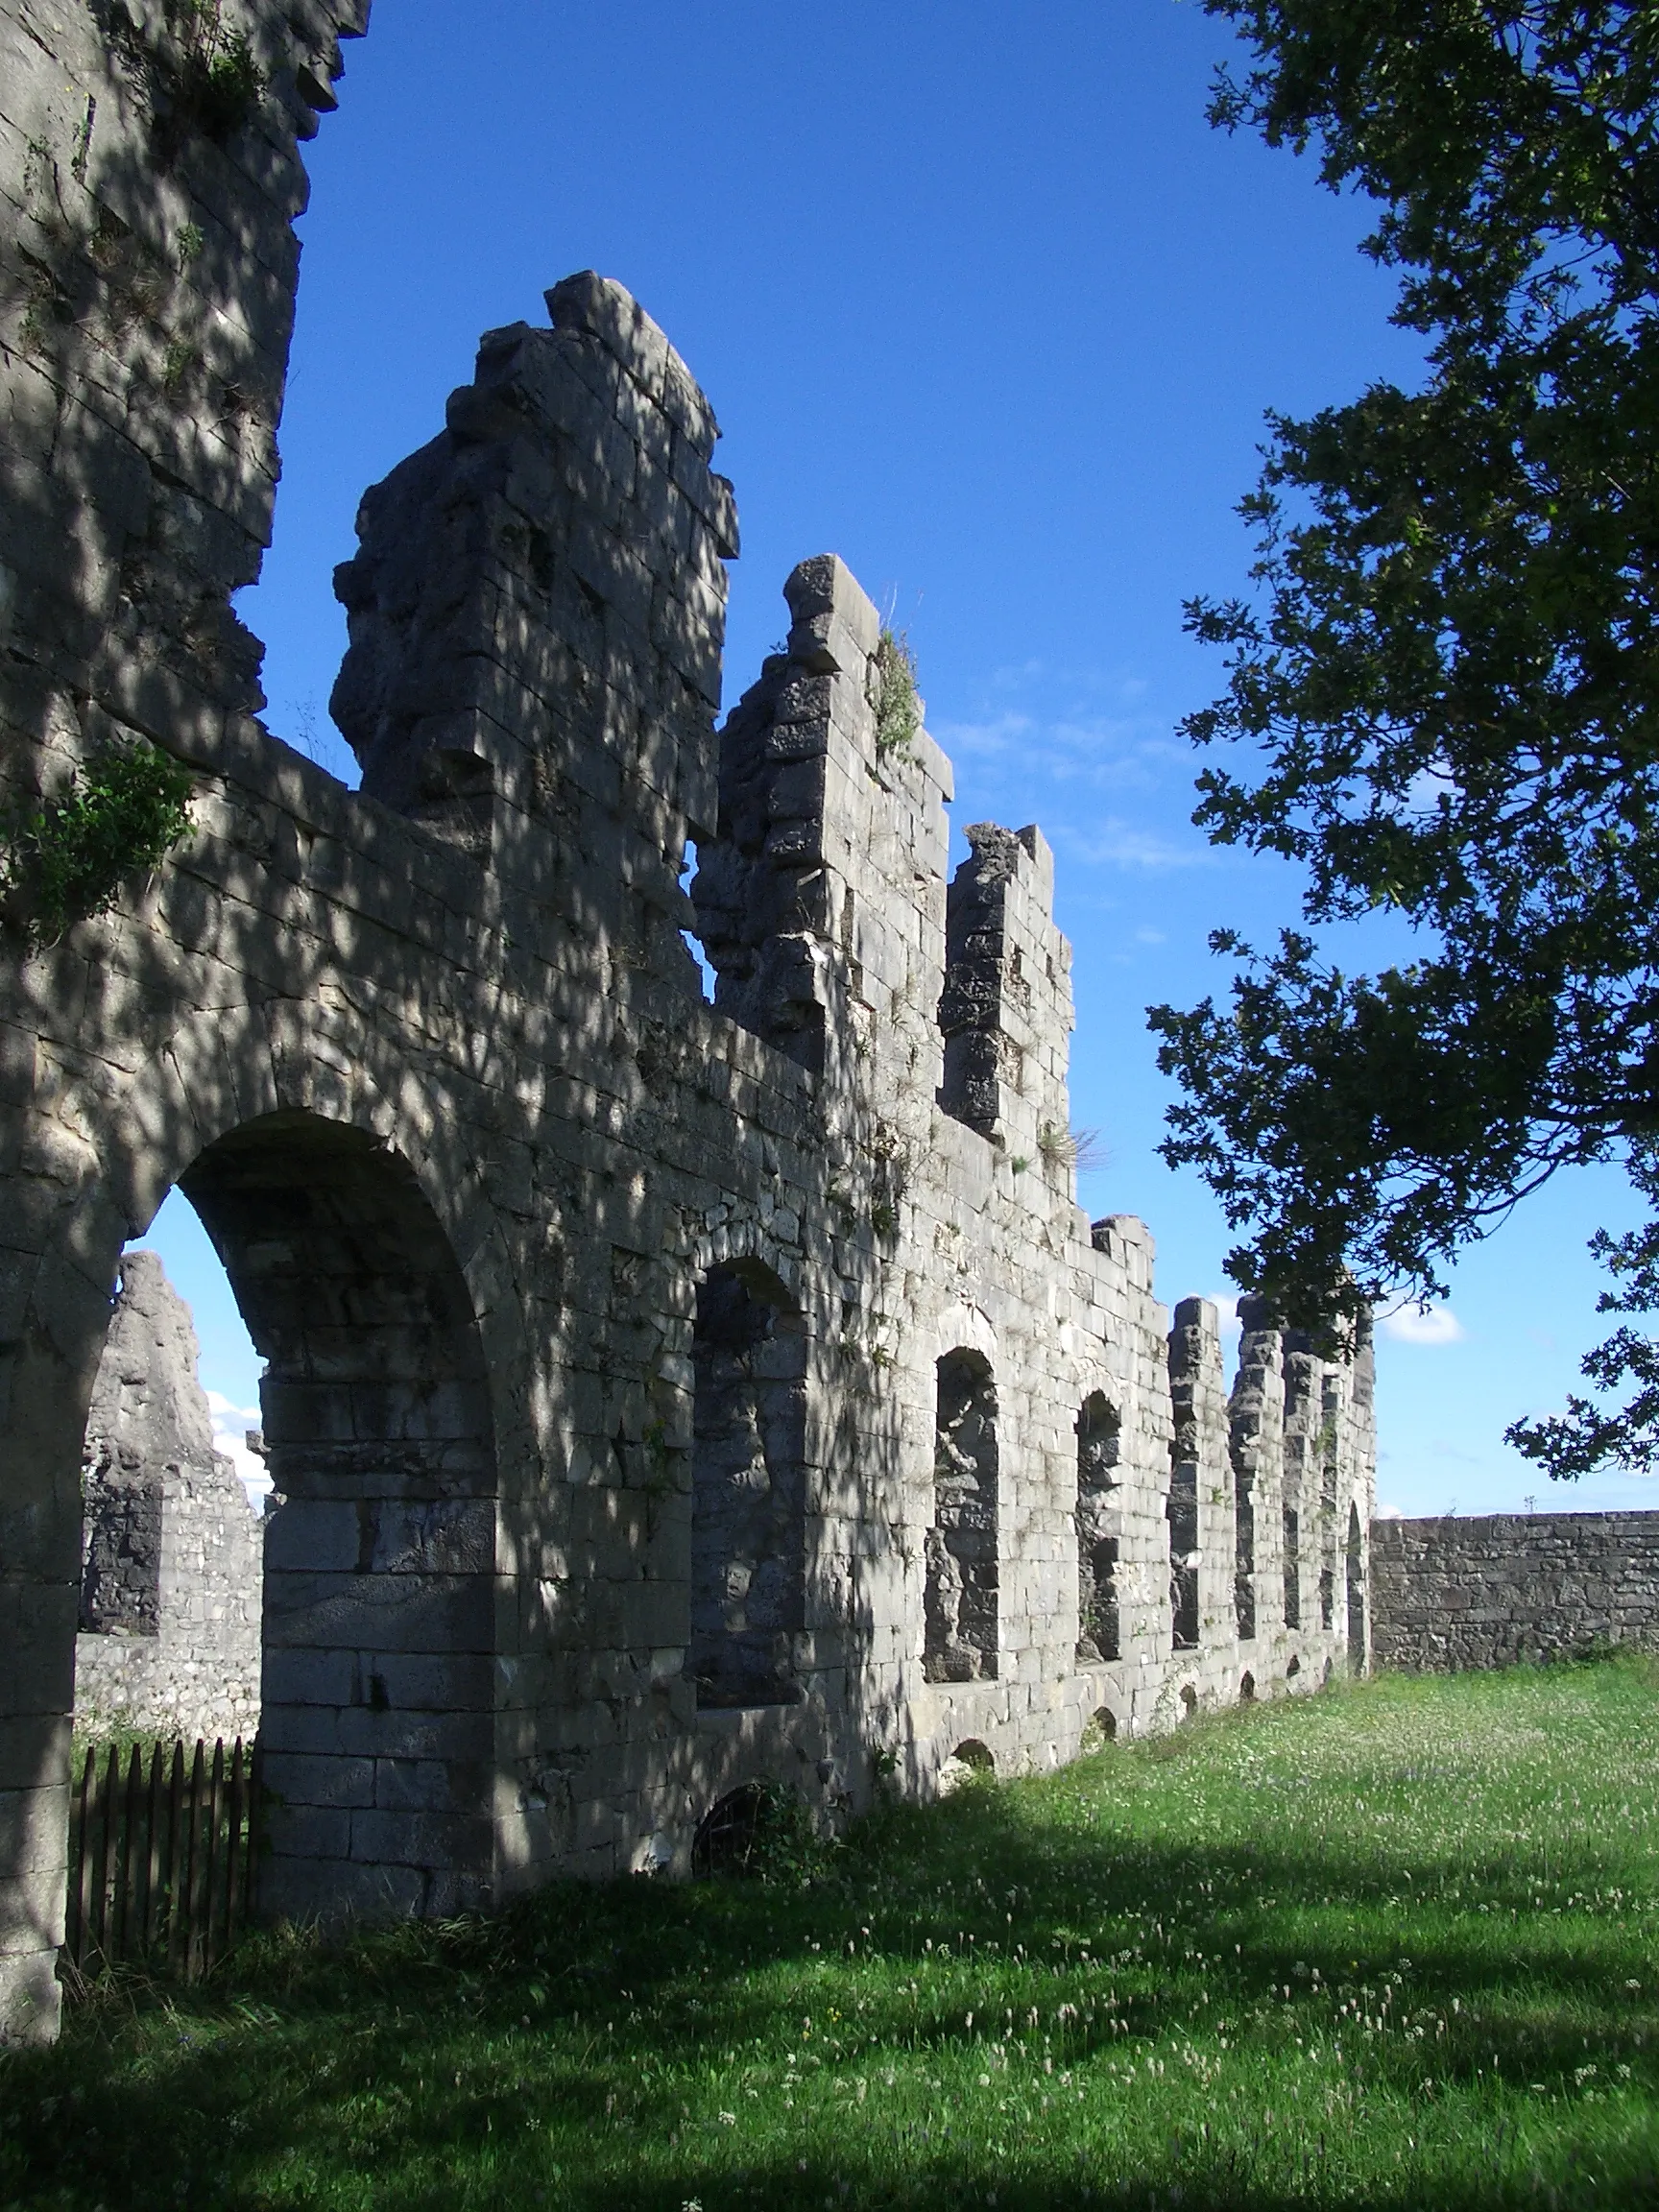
985 306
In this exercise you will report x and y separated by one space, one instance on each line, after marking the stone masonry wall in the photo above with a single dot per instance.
575 1539
1500 1588
172 1551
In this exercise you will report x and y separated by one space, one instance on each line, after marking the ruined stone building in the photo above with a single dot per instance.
662 1395
170 1547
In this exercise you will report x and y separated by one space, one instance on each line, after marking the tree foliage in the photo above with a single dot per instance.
1446 673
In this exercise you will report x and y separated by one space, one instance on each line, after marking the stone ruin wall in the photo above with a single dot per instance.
171 1549
607 1332
1507 1589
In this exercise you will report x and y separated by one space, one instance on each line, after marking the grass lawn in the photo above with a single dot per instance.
1396 1946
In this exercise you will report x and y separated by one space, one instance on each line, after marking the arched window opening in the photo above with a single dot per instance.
1327 1597
961 1598
748 1489
1099 1438
1189 1701
1294 1669
1248 1687
1356 1564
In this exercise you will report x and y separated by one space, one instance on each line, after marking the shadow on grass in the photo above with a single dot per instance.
567 2051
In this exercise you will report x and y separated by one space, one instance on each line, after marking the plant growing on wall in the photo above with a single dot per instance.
219 81
67 857
898 708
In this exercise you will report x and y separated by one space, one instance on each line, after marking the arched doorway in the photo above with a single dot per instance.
379 1606
380 1594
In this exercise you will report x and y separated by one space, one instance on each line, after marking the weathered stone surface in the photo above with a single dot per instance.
568 1556
1498 1589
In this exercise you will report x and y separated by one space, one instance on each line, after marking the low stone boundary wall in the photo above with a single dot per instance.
1500 1588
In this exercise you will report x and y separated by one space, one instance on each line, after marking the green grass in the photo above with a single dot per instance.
1391 1946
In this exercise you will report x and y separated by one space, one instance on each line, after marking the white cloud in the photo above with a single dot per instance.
1389 1513
250 1467
223 1409
1119 843
1417 1325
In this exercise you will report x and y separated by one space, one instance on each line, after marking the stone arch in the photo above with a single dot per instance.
744 1244
971 1761
272 1071
749 1355
960 1610
732 1836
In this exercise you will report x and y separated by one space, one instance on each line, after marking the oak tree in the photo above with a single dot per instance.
1443 687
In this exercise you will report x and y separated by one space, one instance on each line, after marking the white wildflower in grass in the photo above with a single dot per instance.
1222 1963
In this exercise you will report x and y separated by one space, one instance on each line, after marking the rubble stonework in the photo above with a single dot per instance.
662 1395
171 1547
1502 1589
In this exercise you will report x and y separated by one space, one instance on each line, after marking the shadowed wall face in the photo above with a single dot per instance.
962 1562
748 1492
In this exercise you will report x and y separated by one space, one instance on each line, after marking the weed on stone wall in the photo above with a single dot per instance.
898 709
197 71
67 859
219 81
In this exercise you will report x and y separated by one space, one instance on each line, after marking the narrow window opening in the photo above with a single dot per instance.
960 1610
1184 1556
1099 1440
1292 1569
748 1490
